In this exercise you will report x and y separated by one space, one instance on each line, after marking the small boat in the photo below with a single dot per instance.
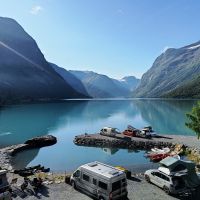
163 150
158 157
155 151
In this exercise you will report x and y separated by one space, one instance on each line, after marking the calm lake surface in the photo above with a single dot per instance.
66 119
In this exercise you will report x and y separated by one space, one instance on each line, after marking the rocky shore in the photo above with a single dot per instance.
7 153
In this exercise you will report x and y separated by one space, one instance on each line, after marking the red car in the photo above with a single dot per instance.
129 132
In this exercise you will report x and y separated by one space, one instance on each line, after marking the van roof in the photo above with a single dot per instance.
102 169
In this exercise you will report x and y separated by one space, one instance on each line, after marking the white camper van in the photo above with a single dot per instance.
108 131
101 181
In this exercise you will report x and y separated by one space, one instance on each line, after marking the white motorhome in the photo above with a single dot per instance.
101 181
108 131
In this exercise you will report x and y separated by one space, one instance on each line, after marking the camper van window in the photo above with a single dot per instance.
77 173
103 185
116 185
86 177
94 181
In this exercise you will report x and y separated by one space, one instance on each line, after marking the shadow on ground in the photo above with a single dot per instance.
38 193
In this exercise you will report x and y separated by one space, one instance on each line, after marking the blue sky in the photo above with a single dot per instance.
113 37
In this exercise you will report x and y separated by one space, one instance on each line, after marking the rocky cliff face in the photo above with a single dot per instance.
170 70
25 75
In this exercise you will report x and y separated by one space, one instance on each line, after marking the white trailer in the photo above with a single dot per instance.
101 181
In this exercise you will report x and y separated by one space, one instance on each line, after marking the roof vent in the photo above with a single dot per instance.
94 164
114 172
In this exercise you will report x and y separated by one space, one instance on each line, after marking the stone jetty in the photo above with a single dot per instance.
97 140
7 153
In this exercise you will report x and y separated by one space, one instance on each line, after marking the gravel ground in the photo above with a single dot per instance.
138 189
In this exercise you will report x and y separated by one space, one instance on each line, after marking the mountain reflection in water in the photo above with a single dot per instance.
66 119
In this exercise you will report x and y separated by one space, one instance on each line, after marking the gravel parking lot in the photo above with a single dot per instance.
138 189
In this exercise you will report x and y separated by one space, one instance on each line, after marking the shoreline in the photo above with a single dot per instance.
191 144
7 153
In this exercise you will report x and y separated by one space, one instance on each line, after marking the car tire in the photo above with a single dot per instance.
166 189
73 184
147 178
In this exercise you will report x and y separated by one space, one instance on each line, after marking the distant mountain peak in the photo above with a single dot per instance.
102 86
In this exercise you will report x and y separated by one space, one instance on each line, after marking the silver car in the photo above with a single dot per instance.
170 184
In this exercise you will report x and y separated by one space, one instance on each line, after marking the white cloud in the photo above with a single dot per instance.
36 9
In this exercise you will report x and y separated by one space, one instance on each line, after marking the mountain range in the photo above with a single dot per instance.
101 86
173 69
25 75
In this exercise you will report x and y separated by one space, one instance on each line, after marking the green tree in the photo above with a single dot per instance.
194 119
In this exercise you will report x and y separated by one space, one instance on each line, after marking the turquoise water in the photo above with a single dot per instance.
69 118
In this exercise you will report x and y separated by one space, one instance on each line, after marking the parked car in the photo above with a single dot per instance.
108 131
133 132
144 134
129 132
170 184
100 181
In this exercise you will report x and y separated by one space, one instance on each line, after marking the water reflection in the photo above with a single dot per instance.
21 160
166 116
110 151
67 119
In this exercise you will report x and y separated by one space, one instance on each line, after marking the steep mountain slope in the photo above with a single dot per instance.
190 89
24 73
100 86
70 79
170 70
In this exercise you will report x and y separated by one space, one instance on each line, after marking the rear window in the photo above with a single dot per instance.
116 185
103 185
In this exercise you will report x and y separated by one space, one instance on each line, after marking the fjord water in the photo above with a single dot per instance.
73 117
